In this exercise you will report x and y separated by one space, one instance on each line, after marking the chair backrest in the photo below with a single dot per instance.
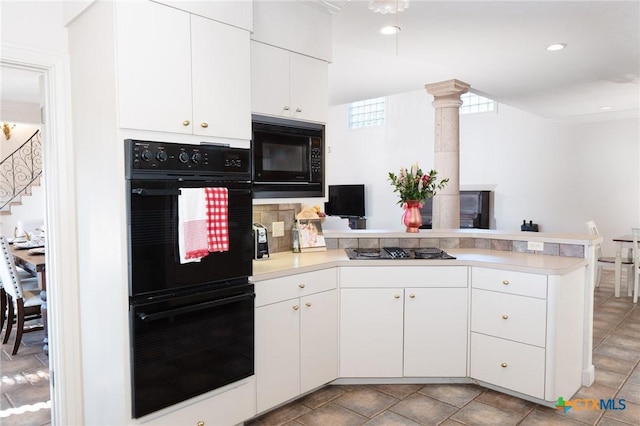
636 245
593 230
8 272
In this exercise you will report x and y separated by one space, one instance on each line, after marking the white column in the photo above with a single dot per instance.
446 203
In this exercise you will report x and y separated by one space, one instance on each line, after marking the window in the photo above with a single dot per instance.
367 113
472 103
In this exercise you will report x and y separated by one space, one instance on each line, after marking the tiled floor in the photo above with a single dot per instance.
25 383
616 356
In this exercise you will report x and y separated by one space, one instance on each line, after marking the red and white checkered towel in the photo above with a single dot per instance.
218 219
192 225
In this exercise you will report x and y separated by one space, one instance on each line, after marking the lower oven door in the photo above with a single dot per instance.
188 345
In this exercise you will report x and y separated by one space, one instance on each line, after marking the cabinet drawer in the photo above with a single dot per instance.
511 282
511 365
289 287
403 276
512 317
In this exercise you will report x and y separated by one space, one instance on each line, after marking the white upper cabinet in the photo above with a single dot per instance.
182 73
293 26
154 67
221 79
287 84
238 13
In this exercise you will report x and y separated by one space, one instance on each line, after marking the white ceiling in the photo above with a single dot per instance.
496 47
499 48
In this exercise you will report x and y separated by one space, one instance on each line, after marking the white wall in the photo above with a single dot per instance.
34 24
557 174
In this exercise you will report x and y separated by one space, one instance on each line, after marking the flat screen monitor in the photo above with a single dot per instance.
345 201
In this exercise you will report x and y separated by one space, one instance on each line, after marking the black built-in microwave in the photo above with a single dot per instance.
288 158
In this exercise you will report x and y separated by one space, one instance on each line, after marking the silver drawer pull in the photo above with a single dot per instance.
301 285
308 305
505 282
412 296
397 296
503 365
505 316
296 307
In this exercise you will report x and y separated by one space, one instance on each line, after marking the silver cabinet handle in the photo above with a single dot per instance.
204 125
287 108
298 109
296 307
308 305
505 316
503 365
412 296
301 285
505 282
186 123
397 296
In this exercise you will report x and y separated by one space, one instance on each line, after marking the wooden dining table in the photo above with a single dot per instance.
35 264
622 242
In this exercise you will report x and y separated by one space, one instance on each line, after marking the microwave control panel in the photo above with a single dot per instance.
316 160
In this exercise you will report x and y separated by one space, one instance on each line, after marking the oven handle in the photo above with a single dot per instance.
194 308
143 191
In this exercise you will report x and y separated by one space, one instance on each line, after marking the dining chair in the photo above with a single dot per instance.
636 256
29 282
22 305
609 262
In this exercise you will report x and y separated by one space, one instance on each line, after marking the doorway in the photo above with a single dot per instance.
60 219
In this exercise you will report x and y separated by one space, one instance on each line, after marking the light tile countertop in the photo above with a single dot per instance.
283 264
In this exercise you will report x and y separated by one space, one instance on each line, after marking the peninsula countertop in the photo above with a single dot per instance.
286 263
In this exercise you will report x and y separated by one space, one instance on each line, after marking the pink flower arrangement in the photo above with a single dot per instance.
415 185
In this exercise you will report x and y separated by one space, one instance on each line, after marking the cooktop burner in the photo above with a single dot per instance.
397 253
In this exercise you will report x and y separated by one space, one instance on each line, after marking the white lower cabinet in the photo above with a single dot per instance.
371 322
435 332
416 327
526 331
296 338
508 364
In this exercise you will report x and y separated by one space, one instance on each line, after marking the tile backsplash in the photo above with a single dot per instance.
266 214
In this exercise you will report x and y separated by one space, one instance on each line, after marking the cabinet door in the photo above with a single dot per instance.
309 88
277 353
154 67
318 339
221 79
371 322
269 80
435 333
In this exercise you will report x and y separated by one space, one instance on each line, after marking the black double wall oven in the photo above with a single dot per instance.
191 324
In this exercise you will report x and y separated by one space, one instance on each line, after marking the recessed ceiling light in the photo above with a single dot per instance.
556 46
390 29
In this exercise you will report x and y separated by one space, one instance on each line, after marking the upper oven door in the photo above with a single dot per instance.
154 264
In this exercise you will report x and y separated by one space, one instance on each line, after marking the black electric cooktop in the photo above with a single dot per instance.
399 253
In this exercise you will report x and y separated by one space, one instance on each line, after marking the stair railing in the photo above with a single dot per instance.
20 169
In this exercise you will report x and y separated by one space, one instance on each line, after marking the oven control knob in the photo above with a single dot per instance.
161 156
145 155
196 157
183 157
